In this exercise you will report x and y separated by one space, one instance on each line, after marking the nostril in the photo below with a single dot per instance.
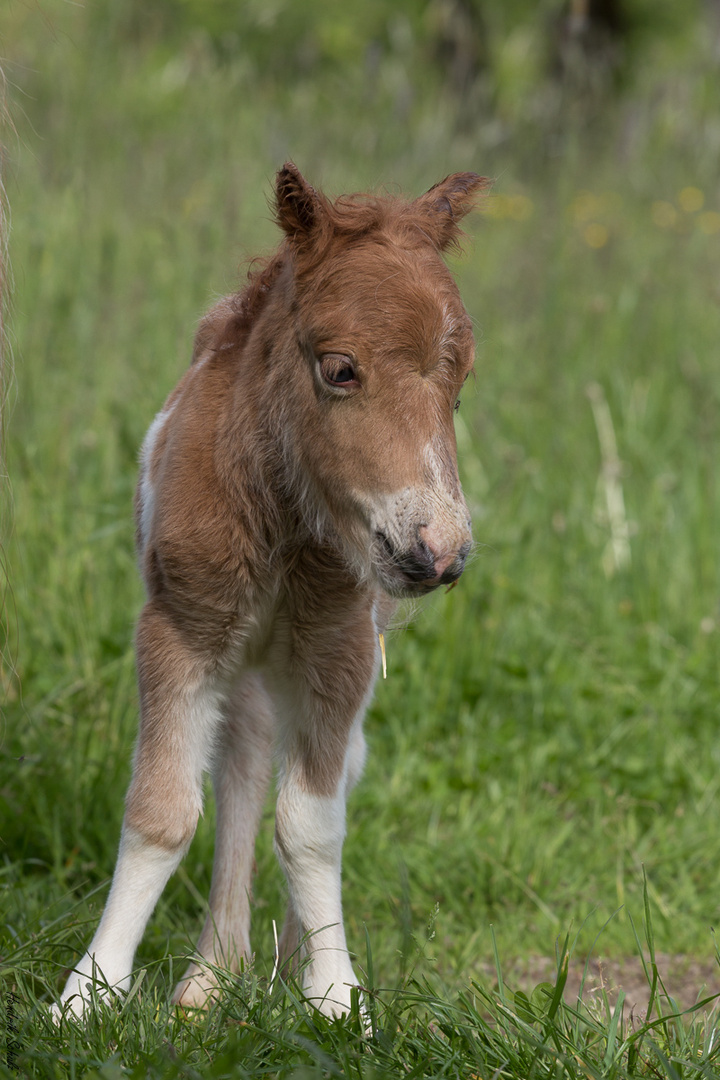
453 571
425 563
418 564
442 563
423 552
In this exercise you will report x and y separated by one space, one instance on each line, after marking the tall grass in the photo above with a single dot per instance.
549 728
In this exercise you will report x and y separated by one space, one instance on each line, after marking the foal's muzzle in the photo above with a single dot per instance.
420 569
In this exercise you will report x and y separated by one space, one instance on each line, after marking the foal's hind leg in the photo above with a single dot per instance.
179 715
241 773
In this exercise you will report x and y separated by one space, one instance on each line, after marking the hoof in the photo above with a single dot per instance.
198 989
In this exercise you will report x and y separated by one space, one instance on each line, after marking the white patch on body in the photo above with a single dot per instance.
146 489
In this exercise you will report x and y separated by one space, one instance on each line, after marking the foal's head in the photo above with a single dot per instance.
384 346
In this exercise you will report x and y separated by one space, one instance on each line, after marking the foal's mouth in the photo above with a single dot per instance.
415 572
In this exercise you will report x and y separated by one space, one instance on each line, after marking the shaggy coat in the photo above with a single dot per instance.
300 478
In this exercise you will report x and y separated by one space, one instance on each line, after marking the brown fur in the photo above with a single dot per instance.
247 553
301 476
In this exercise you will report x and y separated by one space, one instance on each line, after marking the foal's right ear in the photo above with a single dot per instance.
298 204
446 204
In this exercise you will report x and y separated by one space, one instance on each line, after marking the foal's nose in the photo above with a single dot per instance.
427 565
452 571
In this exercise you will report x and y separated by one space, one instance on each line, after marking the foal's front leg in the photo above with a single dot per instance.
179 716
320 708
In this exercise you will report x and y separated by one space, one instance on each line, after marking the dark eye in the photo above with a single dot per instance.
338 370
456 406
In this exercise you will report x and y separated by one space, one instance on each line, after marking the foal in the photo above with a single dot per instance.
300 477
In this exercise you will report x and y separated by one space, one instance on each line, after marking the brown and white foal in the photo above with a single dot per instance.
301 475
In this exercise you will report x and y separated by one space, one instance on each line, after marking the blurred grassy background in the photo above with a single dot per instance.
549 727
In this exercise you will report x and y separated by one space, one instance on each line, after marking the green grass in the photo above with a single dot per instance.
546 740
261 1030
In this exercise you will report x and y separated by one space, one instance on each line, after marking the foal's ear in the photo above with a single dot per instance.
446 204
298 204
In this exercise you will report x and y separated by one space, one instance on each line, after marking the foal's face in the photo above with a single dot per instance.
387 345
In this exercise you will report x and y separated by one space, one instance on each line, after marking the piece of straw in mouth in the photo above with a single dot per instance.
381 639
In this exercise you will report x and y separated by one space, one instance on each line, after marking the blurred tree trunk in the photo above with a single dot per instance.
587 44
460 42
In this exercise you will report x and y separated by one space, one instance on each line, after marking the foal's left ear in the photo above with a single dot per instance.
299 206
446 204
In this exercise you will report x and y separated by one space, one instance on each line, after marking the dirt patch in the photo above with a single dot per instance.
686 979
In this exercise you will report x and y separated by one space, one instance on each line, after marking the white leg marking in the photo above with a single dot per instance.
241 776
141 874
144 867
309 838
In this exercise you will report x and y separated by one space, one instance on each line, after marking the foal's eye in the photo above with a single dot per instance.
456 406
338 370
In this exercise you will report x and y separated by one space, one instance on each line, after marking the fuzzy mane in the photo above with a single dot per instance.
314 226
